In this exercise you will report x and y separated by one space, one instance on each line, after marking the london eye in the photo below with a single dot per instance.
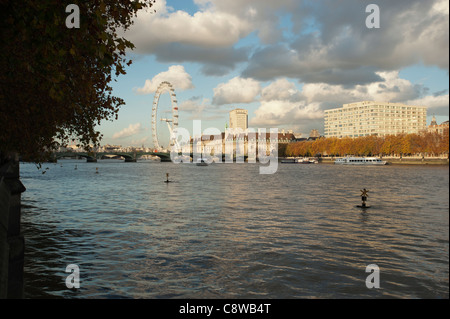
172 122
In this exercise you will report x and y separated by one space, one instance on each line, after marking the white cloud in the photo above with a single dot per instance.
208 36
330 43
262 16
236 90
176 75
437 105
325 42
207 28
391 88
195 106
282 104
129 131
281 89
276 113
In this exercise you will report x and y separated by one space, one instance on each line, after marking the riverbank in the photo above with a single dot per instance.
400 161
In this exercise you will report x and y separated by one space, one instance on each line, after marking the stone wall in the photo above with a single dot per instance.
12 244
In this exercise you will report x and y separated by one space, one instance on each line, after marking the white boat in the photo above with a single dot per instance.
201 162
299 161
349 160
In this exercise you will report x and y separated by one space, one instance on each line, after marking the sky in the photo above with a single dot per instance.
285 61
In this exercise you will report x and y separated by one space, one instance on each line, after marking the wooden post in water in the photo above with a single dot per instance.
364 196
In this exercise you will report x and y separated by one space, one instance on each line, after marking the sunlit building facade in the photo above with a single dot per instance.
239 119
375 118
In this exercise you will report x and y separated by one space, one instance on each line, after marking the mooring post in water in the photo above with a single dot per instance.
364 196
167 178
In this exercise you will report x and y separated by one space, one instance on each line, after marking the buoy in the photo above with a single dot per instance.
75 167
96 170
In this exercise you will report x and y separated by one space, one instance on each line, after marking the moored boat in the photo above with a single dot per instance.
350 160
295 160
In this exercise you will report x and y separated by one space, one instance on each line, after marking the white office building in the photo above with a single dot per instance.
375 118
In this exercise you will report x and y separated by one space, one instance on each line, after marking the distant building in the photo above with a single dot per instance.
239 119
374 118
70 148
437 128
314 134
111 148
242 143
433 121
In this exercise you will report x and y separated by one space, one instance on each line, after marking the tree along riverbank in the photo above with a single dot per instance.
402 146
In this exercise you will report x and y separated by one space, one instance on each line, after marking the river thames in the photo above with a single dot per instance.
225 231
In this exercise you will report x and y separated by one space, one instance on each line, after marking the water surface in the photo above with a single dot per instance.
225 231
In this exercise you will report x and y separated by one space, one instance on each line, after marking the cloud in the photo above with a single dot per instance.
282 104
215 61
208 36
262 16
195 106
390 88
321 41
191 104
236 90
207 28
439 93
437 105
198 107
131 130
276 113
176 75
331 44
281 89
313 66
217 23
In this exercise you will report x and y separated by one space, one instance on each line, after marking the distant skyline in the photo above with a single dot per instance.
285 61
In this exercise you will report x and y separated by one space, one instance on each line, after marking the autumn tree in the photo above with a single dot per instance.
55 80
402 144
444 143
391 145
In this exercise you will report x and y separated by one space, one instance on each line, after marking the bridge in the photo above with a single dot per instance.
129 157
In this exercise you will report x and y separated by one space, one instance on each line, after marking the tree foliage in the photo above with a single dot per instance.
55 81
404 144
